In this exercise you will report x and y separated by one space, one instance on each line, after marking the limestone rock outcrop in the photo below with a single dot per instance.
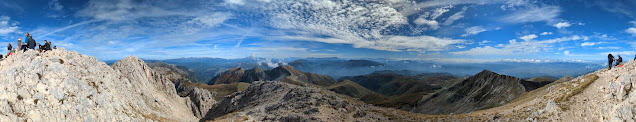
173 72
201 99
62 85
280 101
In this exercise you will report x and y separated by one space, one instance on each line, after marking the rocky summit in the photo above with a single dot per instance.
481 91
280 101
60 85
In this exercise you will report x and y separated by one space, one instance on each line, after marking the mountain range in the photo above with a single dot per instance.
205 69
67 86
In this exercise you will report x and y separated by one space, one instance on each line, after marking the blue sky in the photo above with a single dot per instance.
437 30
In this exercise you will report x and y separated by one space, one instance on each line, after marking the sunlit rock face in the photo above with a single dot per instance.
67 86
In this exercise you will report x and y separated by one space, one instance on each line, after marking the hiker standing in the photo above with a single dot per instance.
9 47
610 59
31 43
25 40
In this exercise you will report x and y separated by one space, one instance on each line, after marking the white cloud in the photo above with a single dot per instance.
631 30
487 50
429 17
55 5
546 33
614 48
534 14
615 54
125 10
633 44
512 4
484 42
473 30
269 63
590 43
408 7
620 7
455 17
562 25
6 26
361 24
460 46
389 43
512 41
515 47
566 52
431 23
211 20
563 48
526 60
67 27
239 2
528 37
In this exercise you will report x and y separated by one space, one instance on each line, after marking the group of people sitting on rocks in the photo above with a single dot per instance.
29 44
618 62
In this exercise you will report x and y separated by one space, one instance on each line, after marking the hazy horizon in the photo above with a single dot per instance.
434 30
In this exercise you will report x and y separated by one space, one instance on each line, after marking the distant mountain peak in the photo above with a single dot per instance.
485 71
284 73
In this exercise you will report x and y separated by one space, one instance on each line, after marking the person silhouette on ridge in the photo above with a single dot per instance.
610 59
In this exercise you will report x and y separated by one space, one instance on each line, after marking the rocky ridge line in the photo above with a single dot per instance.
62 85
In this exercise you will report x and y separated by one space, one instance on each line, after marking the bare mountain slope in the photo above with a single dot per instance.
481 91
280 101
68 86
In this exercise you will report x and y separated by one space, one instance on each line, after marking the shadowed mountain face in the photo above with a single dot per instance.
393 83
186 88
481 91
174 72
281 73
391 89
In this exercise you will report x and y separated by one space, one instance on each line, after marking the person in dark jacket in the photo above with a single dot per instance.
31 43
23 47
20 41
40 47
47 46
619 60
610 59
